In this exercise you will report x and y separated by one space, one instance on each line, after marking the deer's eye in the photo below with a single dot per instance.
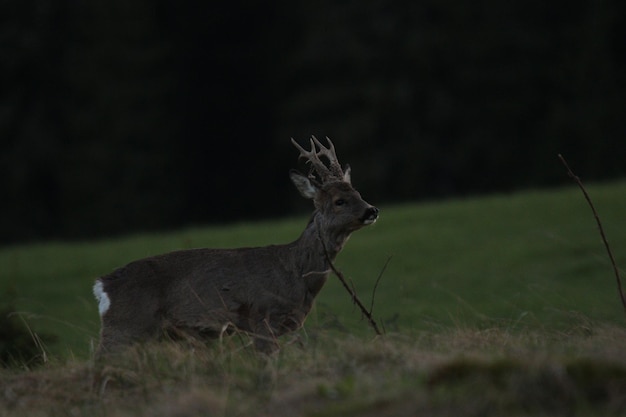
340 202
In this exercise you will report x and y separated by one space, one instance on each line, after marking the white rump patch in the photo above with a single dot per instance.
103 299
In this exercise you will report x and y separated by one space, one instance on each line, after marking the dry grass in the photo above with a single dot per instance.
455 372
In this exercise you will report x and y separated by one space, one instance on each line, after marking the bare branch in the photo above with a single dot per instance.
380 275
595 214
355 298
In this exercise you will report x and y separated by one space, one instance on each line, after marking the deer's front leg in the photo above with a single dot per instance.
265 337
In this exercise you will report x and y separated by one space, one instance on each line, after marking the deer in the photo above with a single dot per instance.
261 291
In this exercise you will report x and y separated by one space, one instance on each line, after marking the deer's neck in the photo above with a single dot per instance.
319 243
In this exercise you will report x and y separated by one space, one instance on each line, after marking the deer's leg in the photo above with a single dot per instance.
111 340
118 331
265 338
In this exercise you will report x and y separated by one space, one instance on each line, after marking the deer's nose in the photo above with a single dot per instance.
371 214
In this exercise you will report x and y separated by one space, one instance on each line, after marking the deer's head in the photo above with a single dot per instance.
330 188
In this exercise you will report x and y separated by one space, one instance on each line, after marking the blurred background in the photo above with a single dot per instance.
120 116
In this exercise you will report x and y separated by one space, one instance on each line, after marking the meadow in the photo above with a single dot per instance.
503 304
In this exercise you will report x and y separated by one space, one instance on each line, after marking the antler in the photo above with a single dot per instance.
331 173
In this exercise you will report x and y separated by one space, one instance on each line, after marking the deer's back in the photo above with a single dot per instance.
226 269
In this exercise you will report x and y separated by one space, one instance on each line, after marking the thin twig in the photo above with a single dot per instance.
595 214
353 291
355 298
380 275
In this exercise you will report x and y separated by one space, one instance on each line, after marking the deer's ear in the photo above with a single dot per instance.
303 184
346 174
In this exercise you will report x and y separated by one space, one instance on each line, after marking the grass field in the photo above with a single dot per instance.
495 305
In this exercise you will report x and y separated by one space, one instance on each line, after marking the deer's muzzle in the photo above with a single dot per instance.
370 216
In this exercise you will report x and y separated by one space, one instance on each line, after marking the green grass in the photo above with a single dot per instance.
506 292
525 259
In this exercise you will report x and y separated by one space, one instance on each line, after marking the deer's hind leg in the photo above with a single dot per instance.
122 330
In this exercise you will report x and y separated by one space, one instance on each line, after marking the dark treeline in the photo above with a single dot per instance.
122 116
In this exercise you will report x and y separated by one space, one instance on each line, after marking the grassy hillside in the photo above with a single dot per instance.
500 305
526 259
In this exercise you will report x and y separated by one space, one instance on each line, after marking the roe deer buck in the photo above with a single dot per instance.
264 291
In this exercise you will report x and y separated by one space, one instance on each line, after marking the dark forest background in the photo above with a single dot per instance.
120 116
